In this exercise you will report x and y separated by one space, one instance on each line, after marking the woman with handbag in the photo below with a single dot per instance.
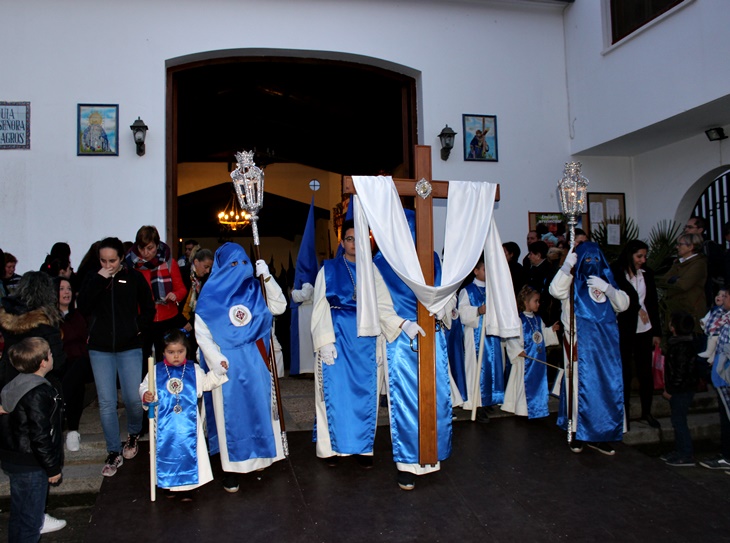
639 326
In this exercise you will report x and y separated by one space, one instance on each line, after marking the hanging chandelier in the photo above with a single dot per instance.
233 216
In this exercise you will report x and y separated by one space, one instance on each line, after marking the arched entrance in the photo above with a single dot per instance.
714 207
305 116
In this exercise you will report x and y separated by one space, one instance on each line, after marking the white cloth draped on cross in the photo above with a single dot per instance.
470 229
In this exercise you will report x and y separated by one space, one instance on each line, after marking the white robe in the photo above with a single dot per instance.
323 333
213 358
470 320
204 382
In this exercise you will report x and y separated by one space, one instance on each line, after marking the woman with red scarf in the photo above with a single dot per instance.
153 259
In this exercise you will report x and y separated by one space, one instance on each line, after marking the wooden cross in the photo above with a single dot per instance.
427 438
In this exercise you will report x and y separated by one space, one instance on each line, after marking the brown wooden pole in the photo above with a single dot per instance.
272 359
427 438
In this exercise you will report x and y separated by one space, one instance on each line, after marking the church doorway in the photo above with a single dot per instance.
306 118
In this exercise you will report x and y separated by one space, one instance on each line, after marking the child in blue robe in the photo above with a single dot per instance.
182 456
526 393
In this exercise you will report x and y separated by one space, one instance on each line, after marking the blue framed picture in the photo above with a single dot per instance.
480 137
97 130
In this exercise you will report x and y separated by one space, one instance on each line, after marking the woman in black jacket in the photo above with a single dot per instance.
119 307
639 326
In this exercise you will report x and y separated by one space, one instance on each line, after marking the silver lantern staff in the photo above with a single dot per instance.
248 180
572 188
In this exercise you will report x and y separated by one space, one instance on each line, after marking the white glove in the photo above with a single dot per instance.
597 283
304 294
412 329
328 353
262 269
570 259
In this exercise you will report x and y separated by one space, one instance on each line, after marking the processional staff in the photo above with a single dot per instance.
572 188
248 180
152 414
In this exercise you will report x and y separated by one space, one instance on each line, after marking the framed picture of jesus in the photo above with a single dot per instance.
480 137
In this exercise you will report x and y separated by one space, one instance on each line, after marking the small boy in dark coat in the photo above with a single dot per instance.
31 450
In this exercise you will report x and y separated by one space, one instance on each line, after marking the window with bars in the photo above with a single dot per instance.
712 205
627 16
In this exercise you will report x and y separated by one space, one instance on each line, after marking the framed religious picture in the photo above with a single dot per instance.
609 209
97 130
14 125
480 137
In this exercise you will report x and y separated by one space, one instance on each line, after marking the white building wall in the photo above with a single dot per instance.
671 179
490 59
669 67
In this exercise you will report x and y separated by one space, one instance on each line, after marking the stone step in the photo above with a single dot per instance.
702 402
77 479
702 426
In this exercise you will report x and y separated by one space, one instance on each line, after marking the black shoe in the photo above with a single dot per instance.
651 421
332 461
230 482
669 456
576 446
603 448
406 480
482 415
365 462
186 496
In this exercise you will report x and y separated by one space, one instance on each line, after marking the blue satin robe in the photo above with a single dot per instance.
177 435
492 376
600 376
247 397
536 389
350 385
403 375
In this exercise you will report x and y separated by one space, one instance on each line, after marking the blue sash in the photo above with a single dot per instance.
350 384
403 375
177 433
492 376
536 390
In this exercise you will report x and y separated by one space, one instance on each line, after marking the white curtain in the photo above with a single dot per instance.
470 230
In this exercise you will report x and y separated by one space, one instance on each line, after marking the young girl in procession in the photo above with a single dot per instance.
487 388
182 456
527 390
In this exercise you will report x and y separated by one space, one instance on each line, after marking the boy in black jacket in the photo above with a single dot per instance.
680 382
31 448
